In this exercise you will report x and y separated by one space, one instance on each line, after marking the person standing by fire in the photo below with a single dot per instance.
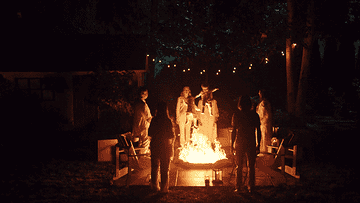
244 123
162 136
142 119
265 114
182 107
208 115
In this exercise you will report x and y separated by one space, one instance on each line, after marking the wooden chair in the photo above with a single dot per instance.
126 146
282 153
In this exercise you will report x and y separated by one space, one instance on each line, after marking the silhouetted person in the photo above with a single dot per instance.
162 136
244 123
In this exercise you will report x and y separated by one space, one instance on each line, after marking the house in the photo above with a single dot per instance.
57 69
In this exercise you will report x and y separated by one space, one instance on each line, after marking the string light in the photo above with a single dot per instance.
282 52
159 61
174 65
250 64
249 67
188 69
184 70
204 71
217 73
294 44
153 59
234 68
219 70
233 71
147 55
201 73
168 66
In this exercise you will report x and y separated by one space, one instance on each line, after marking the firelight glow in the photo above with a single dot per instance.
199 150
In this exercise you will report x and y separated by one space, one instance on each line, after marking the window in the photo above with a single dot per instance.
38 87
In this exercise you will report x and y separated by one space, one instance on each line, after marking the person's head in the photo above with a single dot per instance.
162 109
205 87
186 92
244 103
143 93
262 94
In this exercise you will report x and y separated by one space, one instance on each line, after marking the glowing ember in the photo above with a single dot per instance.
199 150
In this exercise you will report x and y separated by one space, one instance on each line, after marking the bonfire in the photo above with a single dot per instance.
199 150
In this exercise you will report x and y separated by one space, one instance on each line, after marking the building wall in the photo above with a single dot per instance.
65 97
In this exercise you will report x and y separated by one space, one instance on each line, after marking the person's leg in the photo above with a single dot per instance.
187 131
155 166
165 171
239 171
252 159
182 133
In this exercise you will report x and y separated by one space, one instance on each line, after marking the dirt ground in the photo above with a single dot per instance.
87 181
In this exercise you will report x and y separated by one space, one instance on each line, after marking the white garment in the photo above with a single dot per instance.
208 126
265 114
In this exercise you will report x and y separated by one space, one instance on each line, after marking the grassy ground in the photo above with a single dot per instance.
88 181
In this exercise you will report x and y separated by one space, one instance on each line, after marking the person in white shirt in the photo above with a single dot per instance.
142 119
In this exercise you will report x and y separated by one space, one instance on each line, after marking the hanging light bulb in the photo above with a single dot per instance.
184 70
233 71
188 69
159 61
174 65
147 55
153 59
168 66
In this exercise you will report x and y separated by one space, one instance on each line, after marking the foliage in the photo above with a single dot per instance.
203 31
113 89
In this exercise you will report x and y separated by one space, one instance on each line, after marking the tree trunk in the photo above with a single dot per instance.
305 63
289 61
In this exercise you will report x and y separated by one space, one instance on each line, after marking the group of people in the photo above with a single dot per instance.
203 116
158 132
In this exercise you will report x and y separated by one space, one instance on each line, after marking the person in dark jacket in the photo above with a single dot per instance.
162 136
244 123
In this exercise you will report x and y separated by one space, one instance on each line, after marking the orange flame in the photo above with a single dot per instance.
199 150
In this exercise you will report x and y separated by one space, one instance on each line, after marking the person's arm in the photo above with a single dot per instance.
215 110
258 132
178 110
233 132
